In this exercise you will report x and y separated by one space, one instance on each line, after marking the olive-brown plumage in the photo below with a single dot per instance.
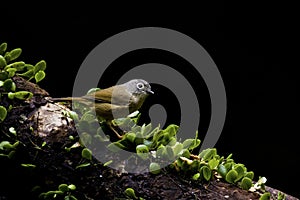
116 101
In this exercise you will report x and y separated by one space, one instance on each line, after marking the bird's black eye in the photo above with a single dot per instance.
140 86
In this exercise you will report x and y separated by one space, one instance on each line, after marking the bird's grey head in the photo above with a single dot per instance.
138 86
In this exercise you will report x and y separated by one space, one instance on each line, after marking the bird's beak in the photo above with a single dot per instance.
150 91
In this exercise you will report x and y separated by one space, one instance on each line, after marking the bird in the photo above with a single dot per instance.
116 101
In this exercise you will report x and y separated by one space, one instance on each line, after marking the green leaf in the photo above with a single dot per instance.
195 165
19 66
15 144
170 153
130 136
177 148
40 66
11 72
28 74
28 165
12 131
72 187
71 197
208 154
154 168
171 130
3 48
11 154
3 113
83 165
85 139
240 169
187 143
186 153
228 166
8 85
107 163
250 175
213 163
7 57
246 183
2 62
265 196
196 176
11 95
280 196
63 188
206 172
146 129
231 176
22 95
15 53
40 75
115 146
222 170
130 193
142 151
4 144
29 67
86 153
3 75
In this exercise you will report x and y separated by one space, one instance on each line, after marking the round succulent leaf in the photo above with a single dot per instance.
15 53
40 66
250 175
213 164
187 143
63 188
171 130
208 154
265 196
154 168
2 62
8 85
129 192
115 147
146 129
206 172
130 136
72 187
142 151
186 153
11 72
177 148
22 95
196 176
240 169
28 74
170 152
40 75
222 170
3 113
231 176
3 48
246 183
86 153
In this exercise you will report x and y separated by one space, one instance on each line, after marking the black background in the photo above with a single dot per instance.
250 43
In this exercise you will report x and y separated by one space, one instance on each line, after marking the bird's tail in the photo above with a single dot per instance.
80 99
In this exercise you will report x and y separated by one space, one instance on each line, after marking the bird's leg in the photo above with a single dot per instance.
110 125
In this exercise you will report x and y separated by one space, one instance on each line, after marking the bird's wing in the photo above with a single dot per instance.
114 95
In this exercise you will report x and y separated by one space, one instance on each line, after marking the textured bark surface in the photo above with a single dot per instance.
39 122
